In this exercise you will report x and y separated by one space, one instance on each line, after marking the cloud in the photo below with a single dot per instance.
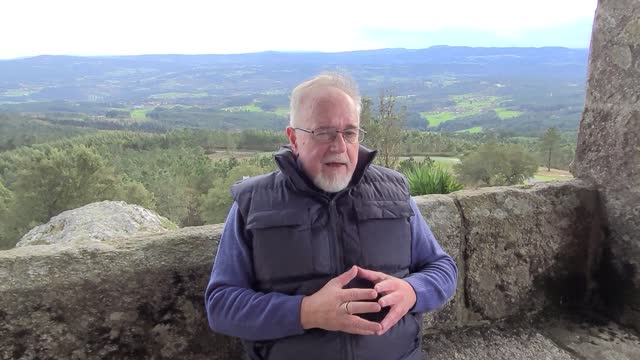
31 27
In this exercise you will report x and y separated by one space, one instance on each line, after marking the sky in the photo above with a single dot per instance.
132 27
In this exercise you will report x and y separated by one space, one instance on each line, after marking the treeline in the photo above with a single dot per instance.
420 143
179 173
216 119
16 131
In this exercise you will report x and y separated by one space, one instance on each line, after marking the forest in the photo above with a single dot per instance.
185 174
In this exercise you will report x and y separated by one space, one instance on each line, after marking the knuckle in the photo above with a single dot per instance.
354 294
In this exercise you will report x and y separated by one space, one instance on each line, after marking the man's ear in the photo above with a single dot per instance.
291 134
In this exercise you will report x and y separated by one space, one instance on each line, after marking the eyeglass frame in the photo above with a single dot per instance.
361 133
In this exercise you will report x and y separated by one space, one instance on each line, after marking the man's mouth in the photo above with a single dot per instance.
335 164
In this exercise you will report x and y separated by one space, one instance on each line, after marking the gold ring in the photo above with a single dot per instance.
346 307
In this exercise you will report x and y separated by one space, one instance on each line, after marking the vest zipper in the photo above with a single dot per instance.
339 254
346 339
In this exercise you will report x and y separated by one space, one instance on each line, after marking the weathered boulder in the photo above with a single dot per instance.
97 222
608 151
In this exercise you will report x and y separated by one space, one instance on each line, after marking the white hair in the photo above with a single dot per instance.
325 80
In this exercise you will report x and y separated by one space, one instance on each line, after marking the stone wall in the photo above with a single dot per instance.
608 152
519 249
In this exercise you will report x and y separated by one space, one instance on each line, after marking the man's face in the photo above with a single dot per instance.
329 165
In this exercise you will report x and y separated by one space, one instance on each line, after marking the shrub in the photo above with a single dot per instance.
431 179
496 165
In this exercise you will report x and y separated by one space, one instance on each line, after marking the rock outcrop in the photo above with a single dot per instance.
97 222
608 152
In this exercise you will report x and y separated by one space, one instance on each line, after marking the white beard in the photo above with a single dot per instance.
333 184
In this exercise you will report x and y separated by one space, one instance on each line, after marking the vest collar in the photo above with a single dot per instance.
288 163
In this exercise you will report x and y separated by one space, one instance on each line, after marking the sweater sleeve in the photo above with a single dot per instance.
433 272
232 307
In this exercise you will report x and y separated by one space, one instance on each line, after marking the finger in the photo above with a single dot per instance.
373 276
387 285
363 307
356 294
391 299
357 323
391 319
344 278
359 331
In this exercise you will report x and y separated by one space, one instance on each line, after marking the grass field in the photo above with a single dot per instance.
553 175
281 111
467 105
472 130
436 119
506 114
139 114
445 162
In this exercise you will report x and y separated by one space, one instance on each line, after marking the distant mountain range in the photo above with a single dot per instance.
548 81
575 34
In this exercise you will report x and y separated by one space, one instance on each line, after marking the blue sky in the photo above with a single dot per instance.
130 27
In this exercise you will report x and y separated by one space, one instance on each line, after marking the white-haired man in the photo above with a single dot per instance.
328 257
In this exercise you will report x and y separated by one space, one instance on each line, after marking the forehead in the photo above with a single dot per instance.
331 107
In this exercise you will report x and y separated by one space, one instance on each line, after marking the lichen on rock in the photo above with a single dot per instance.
97 222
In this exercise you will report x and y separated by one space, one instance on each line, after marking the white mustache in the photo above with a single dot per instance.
337 159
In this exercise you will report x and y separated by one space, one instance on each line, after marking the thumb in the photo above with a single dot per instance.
344 278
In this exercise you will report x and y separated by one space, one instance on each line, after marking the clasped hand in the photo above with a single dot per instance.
335 308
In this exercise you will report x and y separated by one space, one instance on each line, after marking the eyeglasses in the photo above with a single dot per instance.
329 134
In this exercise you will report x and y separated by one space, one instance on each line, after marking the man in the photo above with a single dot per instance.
329 257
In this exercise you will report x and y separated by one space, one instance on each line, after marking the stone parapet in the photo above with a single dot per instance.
519 250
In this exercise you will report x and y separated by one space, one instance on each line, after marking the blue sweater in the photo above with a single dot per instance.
233 308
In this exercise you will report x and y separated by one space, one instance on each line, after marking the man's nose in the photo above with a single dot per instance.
339 144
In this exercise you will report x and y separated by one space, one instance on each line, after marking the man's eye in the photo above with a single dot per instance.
351 135
322 133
